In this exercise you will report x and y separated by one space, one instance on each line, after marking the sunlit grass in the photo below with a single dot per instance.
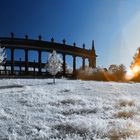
130 130
124 103
125 114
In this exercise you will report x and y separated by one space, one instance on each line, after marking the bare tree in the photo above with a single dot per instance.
2 57
54 64
117 71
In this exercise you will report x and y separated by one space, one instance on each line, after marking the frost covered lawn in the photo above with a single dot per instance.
76 110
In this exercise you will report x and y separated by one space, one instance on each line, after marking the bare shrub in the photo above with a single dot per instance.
125 114
99 75
118 134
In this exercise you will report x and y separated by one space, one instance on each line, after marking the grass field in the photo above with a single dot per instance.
71 110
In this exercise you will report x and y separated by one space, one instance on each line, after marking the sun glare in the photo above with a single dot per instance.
136 69
129 74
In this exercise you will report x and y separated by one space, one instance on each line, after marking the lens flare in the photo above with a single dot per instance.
129 74
133 72
136 69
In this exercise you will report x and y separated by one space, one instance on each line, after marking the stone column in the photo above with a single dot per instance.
39 61
83 63
92 62
74 64
12 61
64 64
89 60
5 69
95 62
34 67
20 66
26 61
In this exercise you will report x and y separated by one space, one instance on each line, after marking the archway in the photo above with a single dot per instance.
8 58
8 54
78 62
69 64
86 62
44 59
33 56
19 54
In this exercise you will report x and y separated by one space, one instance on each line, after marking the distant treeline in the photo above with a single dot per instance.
113 73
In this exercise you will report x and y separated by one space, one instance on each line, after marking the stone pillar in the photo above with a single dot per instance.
12 61
34 67
5 69
92 62
39 61
64 64
83 63
74 64
20 66
26 61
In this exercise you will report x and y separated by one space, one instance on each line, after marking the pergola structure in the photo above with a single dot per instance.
12 43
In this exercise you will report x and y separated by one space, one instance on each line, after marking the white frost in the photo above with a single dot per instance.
70 110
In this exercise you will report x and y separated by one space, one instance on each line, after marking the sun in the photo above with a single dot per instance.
136 69
133 72
129 74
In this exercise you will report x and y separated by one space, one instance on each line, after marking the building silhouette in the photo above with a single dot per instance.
27 68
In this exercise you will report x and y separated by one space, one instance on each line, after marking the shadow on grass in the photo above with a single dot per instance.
67 129
80 112
50 83
67 102
11 86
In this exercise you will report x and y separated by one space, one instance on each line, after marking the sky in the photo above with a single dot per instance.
114 25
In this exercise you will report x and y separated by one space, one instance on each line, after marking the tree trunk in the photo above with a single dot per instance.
54 79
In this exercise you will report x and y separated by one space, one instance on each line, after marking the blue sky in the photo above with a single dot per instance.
113 24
